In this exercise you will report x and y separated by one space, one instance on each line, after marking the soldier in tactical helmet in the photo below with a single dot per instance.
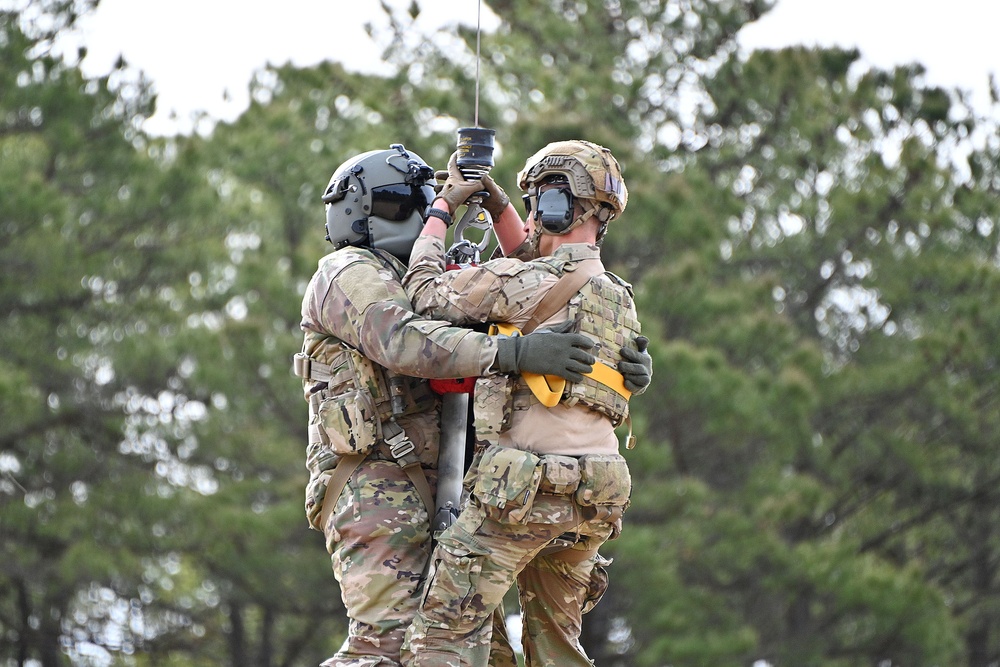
373 423
548 485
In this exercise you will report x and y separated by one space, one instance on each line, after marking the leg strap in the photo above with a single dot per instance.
403 451
335 485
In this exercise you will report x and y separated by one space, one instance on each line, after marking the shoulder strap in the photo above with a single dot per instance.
569 284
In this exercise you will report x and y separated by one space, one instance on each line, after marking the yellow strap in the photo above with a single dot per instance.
548 389
503 328
610 378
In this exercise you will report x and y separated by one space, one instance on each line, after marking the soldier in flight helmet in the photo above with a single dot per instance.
377 200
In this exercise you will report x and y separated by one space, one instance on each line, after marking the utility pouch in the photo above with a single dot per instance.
492 408
560 475
350 422
604 480
507 481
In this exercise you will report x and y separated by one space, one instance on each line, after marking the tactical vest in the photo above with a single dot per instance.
603 310
352 401
346 370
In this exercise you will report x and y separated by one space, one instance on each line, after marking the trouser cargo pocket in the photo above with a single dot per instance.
454 579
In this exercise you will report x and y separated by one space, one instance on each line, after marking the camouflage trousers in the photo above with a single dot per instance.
476 562
378 536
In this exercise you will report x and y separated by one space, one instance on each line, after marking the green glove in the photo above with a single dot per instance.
636 366
497 201
546 353
456 190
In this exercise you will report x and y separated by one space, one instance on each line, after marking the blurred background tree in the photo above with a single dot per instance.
814 253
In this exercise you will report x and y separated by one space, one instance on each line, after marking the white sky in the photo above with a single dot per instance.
201 54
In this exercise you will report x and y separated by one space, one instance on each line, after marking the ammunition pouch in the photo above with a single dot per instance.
508 480
560 475
604 481
350 422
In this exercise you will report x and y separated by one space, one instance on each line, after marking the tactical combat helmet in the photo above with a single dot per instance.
591 171
377 200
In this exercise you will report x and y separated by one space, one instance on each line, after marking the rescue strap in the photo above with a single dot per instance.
548 389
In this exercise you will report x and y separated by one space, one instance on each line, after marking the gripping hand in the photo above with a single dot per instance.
636 366
546 353
456 190
497 201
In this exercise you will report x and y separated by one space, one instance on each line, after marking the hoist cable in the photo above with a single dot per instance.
479 14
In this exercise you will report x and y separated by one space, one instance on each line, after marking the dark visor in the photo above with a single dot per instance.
397 202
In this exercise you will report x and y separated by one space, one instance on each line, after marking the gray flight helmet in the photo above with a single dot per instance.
378 200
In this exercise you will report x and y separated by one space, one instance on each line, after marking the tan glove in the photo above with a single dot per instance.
497 201
456 190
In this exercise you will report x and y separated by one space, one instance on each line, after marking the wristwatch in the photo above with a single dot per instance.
443 216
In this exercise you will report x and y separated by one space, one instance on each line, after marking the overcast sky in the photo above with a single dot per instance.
201 54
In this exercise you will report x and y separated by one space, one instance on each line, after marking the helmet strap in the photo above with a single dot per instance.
594 210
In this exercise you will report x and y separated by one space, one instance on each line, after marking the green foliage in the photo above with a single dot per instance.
814 263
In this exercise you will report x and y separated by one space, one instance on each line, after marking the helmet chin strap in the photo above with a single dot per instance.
594 210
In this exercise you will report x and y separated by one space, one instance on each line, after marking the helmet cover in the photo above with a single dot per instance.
591 171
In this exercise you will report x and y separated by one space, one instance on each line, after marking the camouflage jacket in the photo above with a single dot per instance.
500 290
510 290
355 297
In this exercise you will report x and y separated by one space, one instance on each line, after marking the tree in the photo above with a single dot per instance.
95 245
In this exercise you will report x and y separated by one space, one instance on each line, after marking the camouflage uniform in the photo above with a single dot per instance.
547 486
358 324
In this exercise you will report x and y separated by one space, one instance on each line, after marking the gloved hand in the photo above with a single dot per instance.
456 190
636 366
546 353
497 201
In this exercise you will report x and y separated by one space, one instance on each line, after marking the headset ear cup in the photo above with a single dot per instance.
555 210
555 228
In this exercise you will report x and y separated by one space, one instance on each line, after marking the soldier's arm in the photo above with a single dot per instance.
500 290
366 307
